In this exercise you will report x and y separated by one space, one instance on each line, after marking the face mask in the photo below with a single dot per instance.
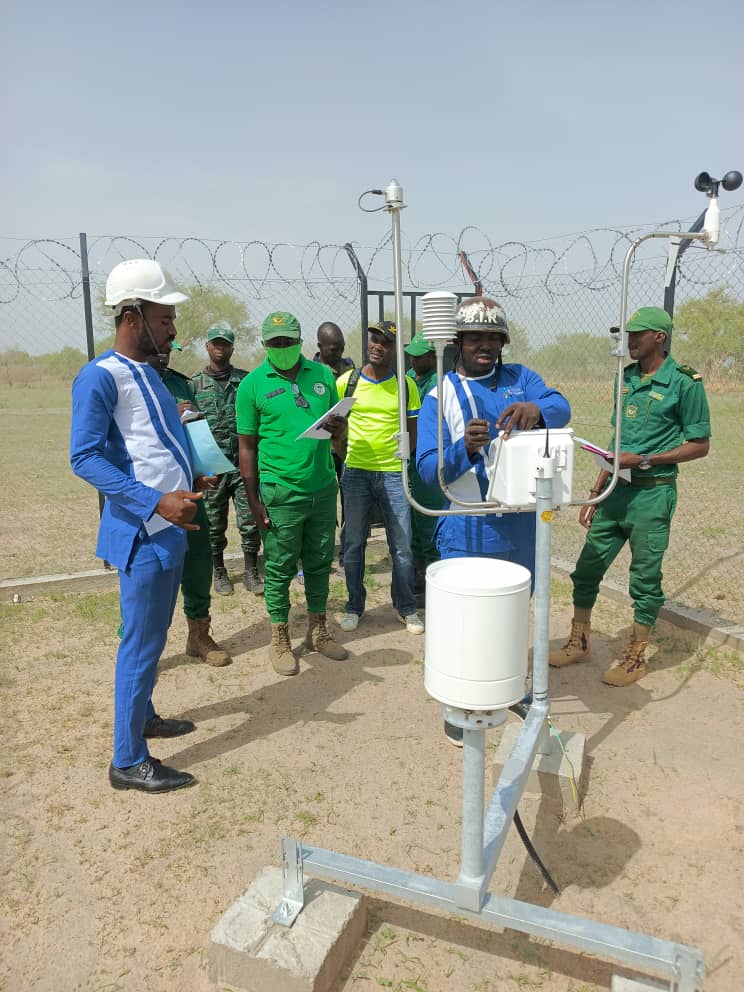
284 358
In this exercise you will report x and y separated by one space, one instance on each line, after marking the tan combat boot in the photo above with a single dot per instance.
281 656
201 645
318 638
576 647
632 666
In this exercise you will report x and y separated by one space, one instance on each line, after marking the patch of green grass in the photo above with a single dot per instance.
306 818
722 662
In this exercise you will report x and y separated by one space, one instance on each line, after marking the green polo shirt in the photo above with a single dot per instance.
423 385
265 406
661 411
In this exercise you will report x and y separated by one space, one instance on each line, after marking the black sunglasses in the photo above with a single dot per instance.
299 399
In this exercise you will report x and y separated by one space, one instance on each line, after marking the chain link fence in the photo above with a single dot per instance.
561 297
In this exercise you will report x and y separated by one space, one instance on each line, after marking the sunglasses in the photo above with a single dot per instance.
299 399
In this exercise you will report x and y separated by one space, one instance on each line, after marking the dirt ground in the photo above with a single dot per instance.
105 891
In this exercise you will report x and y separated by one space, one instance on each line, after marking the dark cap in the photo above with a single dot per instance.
223 332
385 327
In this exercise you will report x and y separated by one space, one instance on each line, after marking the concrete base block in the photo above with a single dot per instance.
550 777
248 951
620 984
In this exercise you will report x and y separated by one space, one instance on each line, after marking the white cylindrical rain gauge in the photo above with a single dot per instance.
477 623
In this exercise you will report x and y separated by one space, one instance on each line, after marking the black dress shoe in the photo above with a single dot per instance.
158 727
149 776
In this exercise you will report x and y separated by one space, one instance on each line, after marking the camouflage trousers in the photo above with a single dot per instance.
217 503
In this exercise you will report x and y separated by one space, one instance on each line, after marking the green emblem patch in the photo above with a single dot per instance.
631 410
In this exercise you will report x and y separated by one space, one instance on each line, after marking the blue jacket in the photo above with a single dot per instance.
127 442
463 399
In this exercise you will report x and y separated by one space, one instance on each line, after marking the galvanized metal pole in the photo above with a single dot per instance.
473 775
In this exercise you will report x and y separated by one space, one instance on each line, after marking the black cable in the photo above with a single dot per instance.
370 192
533 853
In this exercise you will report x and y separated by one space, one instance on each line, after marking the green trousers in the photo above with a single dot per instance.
196 583
643 518
217 504
422 526
303 528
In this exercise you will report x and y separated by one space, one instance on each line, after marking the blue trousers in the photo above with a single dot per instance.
361 489
148 595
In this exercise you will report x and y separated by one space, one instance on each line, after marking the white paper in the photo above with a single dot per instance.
188 415
341 409
606 466
206 456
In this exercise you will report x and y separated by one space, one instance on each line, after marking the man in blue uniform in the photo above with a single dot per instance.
480 398
127 441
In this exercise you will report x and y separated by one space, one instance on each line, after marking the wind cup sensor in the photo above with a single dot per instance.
705 183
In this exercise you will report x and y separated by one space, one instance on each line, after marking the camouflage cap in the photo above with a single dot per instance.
650 319
280 325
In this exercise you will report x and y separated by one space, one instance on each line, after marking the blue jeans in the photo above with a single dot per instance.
361 489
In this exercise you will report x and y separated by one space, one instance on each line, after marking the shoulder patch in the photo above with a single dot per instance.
688 370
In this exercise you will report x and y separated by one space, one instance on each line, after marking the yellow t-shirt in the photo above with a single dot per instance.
373 422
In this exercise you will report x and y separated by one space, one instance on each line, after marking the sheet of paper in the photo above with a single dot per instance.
624 473
341 409
206 456
188 415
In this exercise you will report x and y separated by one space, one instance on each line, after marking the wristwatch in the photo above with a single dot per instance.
645 463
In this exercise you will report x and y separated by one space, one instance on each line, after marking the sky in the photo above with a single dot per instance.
266 121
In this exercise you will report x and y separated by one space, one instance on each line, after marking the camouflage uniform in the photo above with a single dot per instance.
216 399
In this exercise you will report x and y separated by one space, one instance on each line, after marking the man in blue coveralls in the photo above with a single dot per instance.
480 398
127 441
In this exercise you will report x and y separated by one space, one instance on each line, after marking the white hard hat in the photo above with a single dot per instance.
140 279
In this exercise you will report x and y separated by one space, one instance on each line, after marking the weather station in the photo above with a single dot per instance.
476 664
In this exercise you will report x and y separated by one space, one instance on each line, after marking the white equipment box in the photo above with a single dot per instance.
513 466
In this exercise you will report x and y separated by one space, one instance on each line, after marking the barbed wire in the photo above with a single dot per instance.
49 269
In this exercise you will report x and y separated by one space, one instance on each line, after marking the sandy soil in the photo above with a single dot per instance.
108 891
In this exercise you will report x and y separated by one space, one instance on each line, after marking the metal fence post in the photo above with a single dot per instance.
89 338
363 304
87 308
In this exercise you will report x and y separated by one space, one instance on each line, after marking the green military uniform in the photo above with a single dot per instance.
423 544
659 412
215 397
196 582
298 483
